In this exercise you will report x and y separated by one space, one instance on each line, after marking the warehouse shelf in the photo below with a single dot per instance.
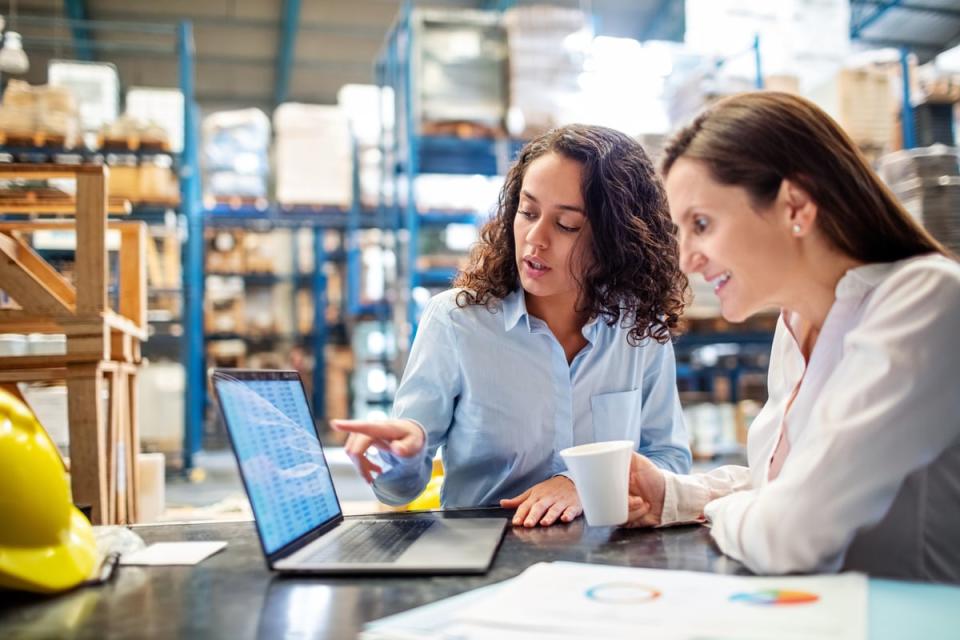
47 153
336 333
442 218
435 277
268 279
463 156
277 217
419 154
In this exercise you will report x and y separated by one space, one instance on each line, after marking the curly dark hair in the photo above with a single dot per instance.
633 276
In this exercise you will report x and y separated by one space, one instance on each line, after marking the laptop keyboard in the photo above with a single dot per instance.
372 541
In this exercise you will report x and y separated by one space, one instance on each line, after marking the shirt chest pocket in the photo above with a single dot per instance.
616 416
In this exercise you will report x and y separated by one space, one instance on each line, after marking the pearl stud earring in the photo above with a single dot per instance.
796 229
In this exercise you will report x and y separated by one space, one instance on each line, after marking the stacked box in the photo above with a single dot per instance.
268 252
235 154
698 89
225 306
160 107
224 252
28 110
460 67
339 364
314 155
546 56
96 86
864 103
370 111
927 182
933 124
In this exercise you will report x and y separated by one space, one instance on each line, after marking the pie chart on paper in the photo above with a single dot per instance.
622 593
775 597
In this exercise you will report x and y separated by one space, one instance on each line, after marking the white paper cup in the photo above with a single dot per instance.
601 473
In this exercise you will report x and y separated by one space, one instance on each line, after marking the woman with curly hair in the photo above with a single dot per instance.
557 334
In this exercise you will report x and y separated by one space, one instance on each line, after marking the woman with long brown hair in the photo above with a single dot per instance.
854 461
558 333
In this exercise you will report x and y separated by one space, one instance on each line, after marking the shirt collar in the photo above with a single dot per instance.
859 281
514 309
854 285
590 329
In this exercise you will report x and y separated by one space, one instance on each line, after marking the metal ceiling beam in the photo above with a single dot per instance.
77 10
330 65
288 41
339 29
653 26
856 30
57 22
56 43
924 50
154 51
917 8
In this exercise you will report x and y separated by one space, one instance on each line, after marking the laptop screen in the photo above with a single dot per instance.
281 460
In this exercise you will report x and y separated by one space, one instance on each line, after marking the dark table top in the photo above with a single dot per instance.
233 595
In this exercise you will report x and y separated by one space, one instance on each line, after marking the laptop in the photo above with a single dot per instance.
297 512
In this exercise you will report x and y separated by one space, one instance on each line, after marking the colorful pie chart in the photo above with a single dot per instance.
775 597
622 593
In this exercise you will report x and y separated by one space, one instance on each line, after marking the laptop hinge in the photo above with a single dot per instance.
304 540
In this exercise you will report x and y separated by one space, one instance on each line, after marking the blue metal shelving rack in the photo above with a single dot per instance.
918 28
318 219
415 154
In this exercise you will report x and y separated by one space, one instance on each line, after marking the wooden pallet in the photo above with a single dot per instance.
37 139
237 203
461 129
134 143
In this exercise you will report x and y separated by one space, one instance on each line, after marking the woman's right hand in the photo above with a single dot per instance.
646 491
403 438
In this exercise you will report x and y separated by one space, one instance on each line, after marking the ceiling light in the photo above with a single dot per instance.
13 59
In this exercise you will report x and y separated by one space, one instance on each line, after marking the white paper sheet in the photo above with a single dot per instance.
172 553
569 600
589 600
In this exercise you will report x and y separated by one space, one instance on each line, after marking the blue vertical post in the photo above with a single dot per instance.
756 58
319 283
76 11
906 112
193 352
295 282
412 163
286 49
395 175
353 235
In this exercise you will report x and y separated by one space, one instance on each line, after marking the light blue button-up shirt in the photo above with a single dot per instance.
494 389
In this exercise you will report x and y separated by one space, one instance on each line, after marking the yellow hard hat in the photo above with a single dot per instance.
46 544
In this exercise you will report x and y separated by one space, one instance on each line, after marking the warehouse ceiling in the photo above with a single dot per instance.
925 27
242 45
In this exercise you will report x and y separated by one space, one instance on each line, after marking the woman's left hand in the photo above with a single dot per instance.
546 502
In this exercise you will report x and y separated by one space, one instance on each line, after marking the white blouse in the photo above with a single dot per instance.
872 478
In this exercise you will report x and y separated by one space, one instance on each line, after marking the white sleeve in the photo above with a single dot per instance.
685 496
889 408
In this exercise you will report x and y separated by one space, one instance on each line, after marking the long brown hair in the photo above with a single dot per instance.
756 140
633 274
